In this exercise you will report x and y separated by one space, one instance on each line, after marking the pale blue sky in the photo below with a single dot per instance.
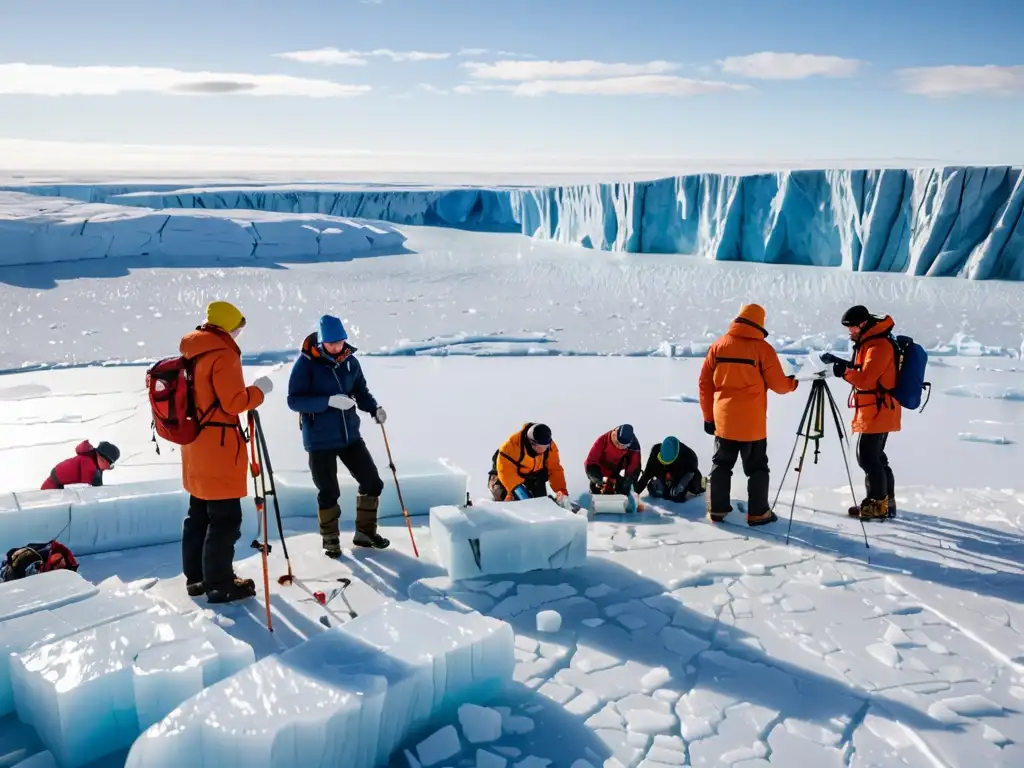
664 78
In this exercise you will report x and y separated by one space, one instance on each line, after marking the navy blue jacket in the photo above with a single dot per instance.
315 377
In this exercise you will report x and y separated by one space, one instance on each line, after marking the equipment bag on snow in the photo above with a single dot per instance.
36 558
171 387
911 362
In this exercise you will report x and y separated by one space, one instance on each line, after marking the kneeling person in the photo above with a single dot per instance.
613 464
524 465
671 472
326 386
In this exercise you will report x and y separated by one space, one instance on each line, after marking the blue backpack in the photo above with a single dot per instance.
911 361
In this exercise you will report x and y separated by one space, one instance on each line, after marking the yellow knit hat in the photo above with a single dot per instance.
224 315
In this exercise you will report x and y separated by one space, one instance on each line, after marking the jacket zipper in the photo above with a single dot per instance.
344 416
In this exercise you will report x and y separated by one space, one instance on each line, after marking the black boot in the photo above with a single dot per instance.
366 524
239 589
195 589
329 530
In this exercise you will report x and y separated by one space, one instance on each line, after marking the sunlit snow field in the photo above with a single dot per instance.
681 643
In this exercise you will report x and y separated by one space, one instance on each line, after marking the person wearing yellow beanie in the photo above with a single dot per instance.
225 315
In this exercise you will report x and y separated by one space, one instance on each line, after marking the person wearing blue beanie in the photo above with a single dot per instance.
326 388
671 473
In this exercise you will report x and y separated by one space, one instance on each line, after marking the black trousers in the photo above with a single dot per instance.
323 465
676 489
754 456
208 541
879 482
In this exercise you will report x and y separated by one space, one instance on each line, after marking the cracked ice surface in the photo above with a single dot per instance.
720 646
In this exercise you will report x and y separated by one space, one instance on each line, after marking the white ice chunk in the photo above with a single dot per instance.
168 674
33 630
507 537
425 484
42 591
549 621
348 696
38 760
479 724
439 746
485 759
78 692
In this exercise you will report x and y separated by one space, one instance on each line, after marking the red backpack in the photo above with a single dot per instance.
171 387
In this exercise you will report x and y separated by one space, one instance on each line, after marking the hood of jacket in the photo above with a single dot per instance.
311 349
879 330
83 448
207 338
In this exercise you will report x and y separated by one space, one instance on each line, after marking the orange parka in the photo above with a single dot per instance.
738 371
214 466
513 463
872 375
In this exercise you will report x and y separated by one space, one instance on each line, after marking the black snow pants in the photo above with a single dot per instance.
323 465
879 482
754 456
208 541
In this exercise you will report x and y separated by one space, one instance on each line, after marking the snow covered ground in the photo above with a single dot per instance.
679 643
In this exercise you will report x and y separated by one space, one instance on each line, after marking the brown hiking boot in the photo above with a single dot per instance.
239 589
329 530
872 509
766 517
366 524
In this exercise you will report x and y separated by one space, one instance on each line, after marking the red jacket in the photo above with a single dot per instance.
83 468
612 459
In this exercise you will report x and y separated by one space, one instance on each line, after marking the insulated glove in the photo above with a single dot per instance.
380 416
839 368
709 427
341 402
264 385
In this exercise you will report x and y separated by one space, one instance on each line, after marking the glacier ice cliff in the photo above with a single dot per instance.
941 222
36 230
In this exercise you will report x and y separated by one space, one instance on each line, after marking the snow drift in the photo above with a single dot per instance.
49 229
938 222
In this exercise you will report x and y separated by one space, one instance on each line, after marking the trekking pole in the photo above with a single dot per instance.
261 441
398 489
261 515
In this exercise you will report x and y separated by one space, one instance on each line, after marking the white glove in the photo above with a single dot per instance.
341 402
380 416
264 385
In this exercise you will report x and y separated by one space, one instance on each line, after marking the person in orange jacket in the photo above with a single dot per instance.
214 467
739 369
524 465
876 413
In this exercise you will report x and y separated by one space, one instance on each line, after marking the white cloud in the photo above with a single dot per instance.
432 89
552 70
331 56
474 51
638 85
50 80
952 80
769 65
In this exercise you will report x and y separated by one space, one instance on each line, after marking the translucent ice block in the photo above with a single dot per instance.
78 691
346 697
41 591
507 537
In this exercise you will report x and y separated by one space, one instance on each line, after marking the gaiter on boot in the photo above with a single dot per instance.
329 530
366 524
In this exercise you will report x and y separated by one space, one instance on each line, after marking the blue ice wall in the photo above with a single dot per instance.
939 222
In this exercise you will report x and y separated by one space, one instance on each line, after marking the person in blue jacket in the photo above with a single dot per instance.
325 388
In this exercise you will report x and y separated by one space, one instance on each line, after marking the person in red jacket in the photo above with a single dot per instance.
86 467
613 464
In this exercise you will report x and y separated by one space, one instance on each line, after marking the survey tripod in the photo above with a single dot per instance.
812 428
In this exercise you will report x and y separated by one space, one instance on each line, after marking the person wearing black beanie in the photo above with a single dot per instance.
873 374
524 465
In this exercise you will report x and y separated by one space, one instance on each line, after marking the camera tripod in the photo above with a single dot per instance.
812 428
